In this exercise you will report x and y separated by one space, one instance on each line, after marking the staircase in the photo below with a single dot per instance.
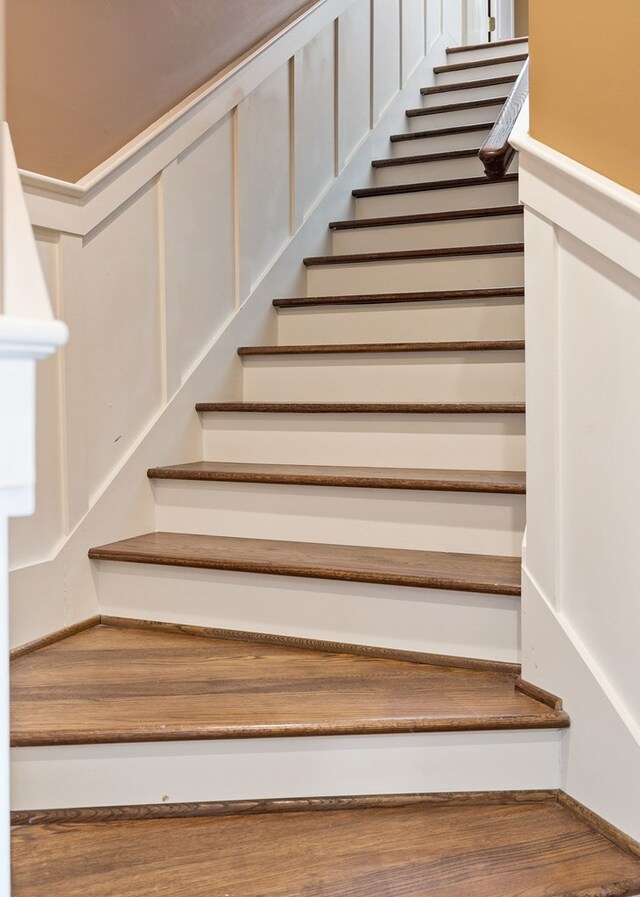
334 592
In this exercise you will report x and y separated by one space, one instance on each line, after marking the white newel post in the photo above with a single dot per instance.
28 332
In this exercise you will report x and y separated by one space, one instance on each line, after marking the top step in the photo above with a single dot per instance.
495 49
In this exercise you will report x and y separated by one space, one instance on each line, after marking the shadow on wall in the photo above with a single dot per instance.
522 17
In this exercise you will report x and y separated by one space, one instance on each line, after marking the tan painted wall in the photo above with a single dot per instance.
585 83
85 76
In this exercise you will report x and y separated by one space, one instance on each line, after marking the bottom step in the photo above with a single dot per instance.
487 846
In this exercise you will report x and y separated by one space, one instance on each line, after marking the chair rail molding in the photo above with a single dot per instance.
581 580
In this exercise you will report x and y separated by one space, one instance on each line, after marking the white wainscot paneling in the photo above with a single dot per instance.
314 120
199 246
354 77
386 54
434 22
599 332
413 36
264 173
116 298
34 538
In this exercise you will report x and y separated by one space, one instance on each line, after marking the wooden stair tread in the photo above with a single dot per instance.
502 846
408 254
113 684
394 566
513 345
467 85
497 481
454 107
362 407
442 132
479 63
485 46
400 298
427 217
451 183
426 158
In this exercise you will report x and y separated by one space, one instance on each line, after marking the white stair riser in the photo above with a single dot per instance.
466 441
402 377
445 199
490 51
453 273
428 171
251 769
457 624
479 73
431 235
446 143
478 523
468 94
453 118
463 319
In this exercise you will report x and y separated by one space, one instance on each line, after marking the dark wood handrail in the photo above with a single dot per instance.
496 152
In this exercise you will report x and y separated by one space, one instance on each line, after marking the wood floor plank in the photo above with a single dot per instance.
514 345
362 407
113 684
528 850
499 481
391 566
400 298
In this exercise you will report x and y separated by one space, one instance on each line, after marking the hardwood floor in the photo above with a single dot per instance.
537 849
112 684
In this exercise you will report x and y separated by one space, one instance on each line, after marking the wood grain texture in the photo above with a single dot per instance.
479 63
467 85
613 834
452 183
534 849
286 805
355 258
514 345
52 637
511 482
496 152
449 156
361 407
441 132
494 43
400 298
540 694
453 107
291 641
492 574
112 685
426 217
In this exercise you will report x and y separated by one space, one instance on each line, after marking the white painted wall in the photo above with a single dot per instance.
166 258
581 588
27 332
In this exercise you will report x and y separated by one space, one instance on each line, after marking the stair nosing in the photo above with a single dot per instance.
455 107
383 348
442 132
399 255
498 43
358 478
400 298
426 158
480 63
360 407
424 186
435 89
427 217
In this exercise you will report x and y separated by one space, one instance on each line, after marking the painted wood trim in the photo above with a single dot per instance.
53 637
497 152
290 641
290 805
609 831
